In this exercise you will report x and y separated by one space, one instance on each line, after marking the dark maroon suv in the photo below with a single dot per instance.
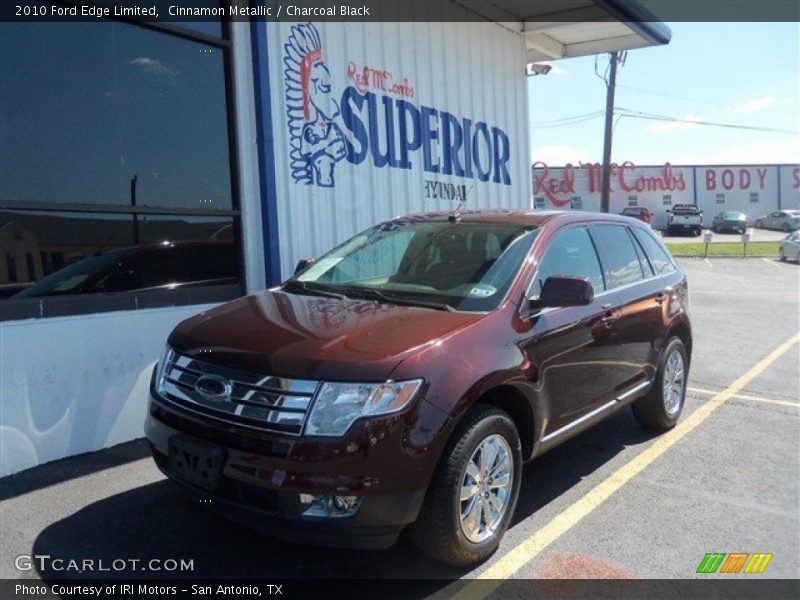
402 379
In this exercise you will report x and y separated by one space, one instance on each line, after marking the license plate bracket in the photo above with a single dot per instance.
196 462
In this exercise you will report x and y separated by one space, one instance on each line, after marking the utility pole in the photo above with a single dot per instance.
611 84
135 215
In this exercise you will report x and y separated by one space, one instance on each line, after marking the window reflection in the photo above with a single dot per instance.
52 254
110 112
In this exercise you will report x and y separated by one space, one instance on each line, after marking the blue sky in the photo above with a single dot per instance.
741 73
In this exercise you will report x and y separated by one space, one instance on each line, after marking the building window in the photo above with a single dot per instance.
118 162
633 201
666 199
538 202
720 198
576 202
754 197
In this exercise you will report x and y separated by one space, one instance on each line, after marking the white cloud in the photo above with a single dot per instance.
757 105
670 126
151 65
783 151
558 155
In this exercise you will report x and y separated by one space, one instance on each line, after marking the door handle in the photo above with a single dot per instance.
661 297
609 317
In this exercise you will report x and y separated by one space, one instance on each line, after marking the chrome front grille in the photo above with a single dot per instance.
256 400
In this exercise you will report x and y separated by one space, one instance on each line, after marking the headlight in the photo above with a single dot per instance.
338 405
161 373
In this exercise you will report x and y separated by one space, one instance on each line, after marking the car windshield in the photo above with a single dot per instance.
69 279
732 215
450 266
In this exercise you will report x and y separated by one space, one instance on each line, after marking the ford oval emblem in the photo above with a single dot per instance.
213 387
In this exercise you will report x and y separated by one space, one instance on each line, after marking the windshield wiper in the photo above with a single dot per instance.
355 290
304 286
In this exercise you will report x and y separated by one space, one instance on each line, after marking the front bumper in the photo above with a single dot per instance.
262 479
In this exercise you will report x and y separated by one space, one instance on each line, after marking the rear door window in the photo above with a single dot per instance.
658 257
618 255
570 253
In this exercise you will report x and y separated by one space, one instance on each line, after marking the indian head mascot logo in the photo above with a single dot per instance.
316 139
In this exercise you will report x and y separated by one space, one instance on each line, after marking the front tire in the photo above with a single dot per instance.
782 255
474 490
759 224
661 407
786 227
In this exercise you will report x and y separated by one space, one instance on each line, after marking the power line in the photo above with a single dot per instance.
635 114
560 119
576 122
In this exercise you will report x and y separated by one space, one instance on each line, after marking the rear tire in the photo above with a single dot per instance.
782 255
661 408
446 522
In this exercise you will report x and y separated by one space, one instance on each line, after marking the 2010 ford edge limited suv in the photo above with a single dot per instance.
402 379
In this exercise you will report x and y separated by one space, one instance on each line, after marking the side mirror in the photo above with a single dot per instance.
303 264
566 291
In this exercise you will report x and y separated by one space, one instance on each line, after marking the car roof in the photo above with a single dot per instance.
531 218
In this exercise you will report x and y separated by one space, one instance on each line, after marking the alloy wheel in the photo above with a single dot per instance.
486 486
674 381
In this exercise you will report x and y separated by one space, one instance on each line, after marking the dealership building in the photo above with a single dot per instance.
755 190
162 168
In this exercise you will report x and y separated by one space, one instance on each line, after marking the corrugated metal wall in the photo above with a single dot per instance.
790 186
472 71
751 189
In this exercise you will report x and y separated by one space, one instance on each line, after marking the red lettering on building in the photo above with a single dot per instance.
378 79
554 189
711 180
796 174
762 173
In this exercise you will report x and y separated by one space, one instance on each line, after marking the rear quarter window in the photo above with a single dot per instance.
658 257
618 255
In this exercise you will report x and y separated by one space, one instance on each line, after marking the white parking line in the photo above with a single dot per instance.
770 261
708 262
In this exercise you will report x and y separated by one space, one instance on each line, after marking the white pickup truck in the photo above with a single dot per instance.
685 217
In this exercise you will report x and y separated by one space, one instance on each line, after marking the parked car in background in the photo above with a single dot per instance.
144 267
683 218
790 247
402 379
729 220
785 220
638 212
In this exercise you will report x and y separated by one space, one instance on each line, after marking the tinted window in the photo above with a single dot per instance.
82 253
107 106
620 260
114 138
656 255
570 253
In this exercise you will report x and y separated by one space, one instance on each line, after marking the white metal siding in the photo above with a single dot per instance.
734 185
470 70
790 186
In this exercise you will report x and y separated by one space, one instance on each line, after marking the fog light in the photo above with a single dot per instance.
330 506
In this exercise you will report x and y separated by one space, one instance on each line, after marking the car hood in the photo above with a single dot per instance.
314 337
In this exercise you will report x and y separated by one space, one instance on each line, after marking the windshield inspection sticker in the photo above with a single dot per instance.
482 291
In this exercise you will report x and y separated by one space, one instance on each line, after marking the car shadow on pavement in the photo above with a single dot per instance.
549 476
156 521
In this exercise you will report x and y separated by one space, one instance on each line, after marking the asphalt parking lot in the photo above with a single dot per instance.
614 502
